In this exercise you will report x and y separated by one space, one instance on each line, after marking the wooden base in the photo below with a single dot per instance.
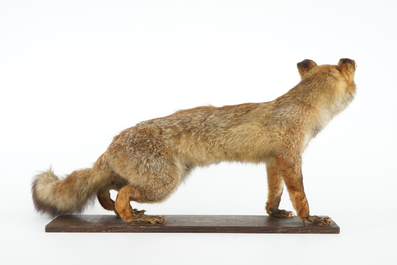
189 224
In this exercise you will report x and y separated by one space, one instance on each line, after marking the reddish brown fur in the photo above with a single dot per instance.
147 162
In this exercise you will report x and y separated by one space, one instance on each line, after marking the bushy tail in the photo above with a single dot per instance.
69 195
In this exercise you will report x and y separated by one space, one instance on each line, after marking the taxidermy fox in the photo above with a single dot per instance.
147 162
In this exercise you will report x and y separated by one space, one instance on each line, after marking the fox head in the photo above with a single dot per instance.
346 67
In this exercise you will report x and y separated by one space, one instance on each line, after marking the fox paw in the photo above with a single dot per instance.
281 214
138 213
317 220
133 215
154 219
133 212
148 219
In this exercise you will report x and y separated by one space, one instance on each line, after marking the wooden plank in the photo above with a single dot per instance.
189 224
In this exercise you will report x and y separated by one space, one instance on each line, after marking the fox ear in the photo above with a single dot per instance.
305 66
347 67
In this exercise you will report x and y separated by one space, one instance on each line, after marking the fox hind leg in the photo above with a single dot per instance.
159 187
127 213
103 194
106 201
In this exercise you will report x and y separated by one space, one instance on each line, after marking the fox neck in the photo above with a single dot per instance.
326 114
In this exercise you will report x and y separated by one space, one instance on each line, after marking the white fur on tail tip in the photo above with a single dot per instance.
55 196
45 185
43 191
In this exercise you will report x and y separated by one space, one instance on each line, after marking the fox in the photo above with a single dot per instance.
147 162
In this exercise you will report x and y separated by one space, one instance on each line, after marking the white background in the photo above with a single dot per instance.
73 74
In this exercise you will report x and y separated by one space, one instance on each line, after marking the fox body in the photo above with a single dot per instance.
147 162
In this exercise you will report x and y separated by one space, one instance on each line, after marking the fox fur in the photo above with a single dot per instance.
147 162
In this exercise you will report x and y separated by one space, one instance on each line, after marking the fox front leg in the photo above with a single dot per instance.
276 186
291 169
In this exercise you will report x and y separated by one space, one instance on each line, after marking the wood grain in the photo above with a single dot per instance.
189 224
